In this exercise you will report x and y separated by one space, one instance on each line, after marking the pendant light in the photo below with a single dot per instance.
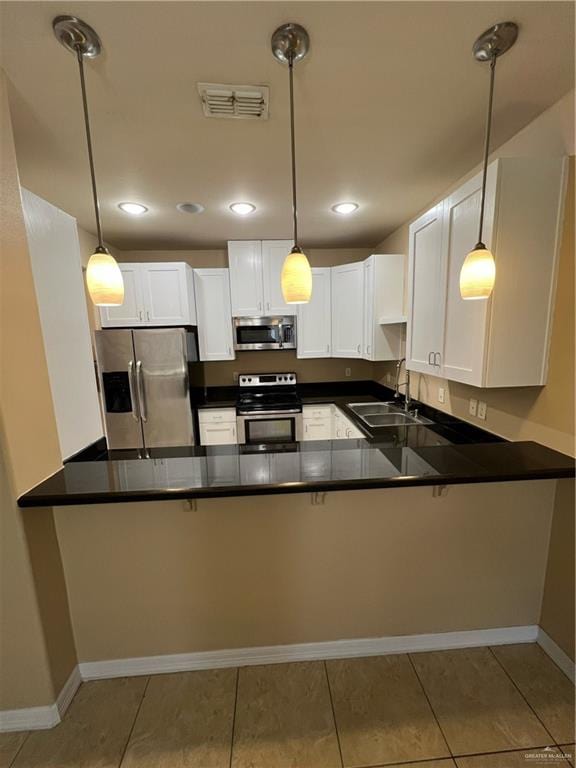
290 43
103 275
478 272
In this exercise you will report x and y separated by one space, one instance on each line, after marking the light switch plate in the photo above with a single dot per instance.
482 410
441 395
348 371
473 407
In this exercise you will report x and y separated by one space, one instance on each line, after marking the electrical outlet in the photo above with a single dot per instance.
482 407
441 395
348 371
235 377
473 407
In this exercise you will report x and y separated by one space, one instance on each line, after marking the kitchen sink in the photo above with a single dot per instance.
385 415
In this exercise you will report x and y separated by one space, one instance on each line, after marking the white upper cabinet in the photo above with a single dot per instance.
215 337
502 341
383 307
425 292
246 282
169 293
155 294
255 270
274 253
347 310
130 312
314 326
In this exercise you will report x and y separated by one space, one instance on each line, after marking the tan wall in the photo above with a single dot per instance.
559 601
265 570
37 650
544 414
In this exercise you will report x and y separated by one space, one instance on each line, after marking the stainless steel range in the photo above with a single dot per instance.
268 409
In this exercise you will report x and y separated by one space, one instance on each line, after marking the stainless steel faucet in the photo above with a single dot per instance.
406 383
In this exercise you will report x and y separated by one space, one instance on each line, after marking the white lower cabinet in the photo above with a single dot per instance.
217 426
502 341
327 422
215 337
317 422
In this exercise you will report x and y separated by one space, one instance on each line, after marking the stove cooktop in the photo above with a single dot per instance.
268 392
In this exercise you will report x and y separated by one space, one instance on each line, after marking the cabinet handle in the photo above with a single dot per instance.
439 359
147 315
268 305
327 347
217 429
359 347
230 351
368 348
140 314
259 306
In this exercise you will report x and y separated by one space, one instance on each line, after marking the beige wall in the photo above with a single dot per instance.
273 569
544 414
557 618
37 650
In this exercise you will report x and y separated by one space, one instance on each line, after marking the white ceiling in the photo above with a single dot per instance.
390 111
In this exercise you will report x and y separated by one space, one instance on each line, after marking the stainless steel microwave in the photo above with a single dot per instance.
265 332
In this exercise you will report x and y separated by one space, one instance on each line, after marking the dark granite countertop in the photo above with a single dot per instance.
321 466
448 451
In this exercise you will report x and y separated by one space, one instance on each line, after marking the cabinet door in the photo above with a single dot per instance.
465 323
314 328
246 289
131 312
426 291
273 254
212 289
369 319
218 434
167 300
347 310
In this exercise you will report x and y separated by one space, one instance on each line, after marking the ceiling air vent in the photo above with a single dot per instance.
248 102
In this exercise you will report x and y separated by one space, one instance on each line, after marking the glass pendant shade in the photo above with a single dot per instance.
104 279
296 278
478 274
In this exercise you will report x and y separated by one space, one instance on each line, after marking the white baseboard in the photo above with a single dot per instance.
46 717
557 655
38 718
277 654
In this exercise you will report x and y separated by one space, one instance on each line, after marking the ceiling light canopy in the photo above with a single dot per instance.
134 209
478 273
103 275
243 209
190 207
290 43
345 208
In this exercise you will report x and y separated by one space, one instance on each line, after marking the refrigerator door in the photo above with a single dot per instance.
161 368
117 372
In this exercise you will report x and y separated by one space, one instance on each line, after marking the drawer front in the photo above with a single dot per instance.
317 429
317 411
218 434
216 415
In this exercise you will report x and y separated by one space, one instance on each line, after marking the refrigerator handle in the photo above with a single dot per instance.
141 395
132 392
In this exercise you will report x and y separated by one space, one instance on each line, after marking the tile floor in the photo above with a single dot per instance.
475 708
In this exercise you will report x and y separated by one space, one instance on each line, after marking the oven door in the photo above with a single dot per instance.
269 427
264 333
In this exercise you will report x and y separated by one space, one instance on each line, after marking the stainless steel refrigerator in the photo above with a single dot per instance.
145 381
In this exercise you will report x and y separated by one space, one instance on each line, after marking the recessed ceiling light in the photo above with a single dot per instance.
243 209
190 207
133 208
345 208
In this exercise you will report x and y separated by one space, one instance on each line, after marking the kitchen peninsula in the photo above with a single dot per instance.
439 452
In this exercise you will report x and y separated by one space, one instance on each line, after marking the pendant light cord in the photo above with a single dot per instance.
89 143
480 244
293 147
